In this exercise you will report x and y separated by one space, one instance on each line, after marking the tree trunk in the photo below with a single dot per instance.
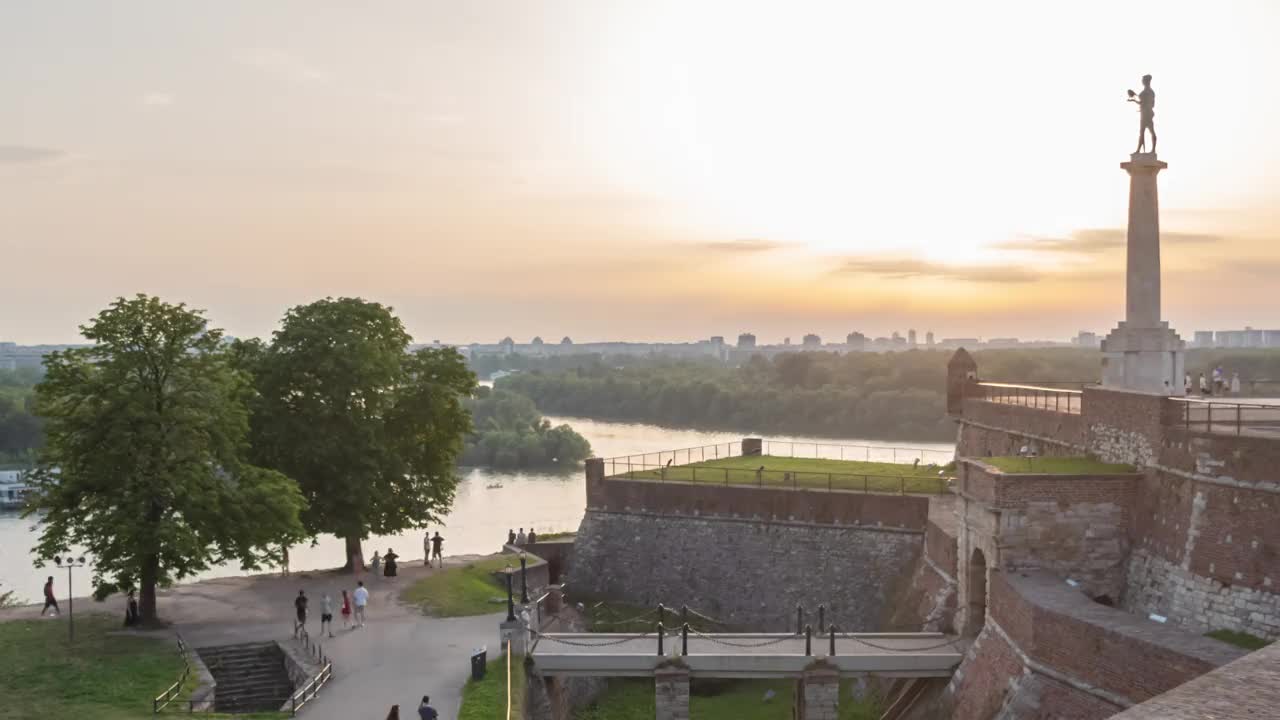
147 592
353 552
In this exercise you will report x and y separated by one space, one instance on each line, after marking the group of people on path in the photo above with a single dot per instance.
1220 385
514 538
352 610
425 711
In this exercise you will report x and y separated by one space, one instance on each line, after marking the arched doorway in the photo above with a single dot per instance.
977 612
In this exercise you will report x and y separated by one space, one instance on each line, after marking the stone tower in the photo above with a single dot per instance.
1143 354
962 372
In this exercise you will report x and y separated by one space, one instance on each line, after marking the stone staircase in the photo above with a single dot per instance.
251 677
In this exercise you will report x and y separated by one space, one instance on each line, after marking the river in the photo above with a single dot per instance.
548 501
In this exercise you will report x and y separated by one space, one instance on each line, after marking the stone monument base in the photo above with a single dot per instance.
1144 359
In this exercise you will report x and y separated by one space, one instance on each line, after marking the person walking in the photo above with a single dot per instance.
300 607
1235 383
1204 385
375 565
49 600
426 549
1218 380
437 548
326 614
520 537
425 711
346 611
131 610
389 564
394 714
362 599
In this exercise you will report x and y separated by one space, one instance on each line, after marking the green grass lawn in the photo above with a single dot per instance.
804 473
1057 465
465 590
101 676
487 698
1239 639
633 699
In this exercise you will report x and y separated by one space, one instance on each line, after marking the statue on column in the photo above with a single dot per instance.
1146 101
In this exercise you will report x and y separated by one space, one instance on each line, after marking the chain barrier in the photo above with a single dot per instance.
730 643
852 636
579 643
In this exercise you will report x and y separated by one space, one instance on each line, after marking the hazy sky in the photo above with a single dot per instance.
643 170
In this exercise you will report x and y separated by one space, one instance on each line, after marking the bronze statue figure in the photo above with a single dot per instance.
1146 101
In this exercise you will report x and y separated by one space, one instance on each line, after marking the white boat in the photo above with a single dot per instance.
13 489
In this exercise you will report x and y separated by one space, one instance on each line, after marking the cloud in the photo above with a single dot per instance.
1096 240
743 245
281 63
157 99
28 154
901 269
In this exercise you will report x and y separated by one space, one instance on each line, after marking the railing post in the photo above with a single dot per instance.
808 640
684 615
822 614
684 639
799 618
832 651
902 481
662 613
660 653
1238 418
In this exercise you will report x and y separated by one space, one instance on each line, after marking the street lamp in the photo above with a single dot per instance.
511 605
70 563
524 580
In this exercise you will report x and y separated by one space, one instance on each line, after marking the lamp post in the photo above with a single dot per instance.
70 563
511 605
524 579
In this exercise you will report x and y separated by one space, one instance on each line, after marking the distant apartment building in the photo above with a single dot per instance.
1203 339
812 341
1085 339
1246 338
855 341
928 338
911 336
746 341
960 342
1003 342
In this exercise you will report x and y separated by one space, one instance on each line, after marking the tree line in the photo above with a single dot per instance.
891 396
511 433
20 430
168 449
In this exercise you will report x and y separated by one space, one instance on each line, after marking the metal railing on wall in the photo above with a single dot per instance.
1041 397
763 477
703 454
1229 418
170 695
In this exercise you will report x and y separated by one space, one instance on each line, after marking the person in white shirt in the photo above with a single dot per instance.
520 538
361 597
326 614
1235 383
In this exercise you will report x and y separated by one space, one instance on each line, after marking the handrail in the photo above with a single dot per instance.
508 678
866 483
1016 386
170 694
1233 418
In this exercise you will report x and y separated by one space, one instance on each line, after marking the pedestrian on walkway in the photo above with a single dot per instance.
520 537
1204 385
395 713
390 568
533 536
426 548
346 611
130 610
1235 383
425 711
1186 384
326 614
300 607
437 548
362 599
49 600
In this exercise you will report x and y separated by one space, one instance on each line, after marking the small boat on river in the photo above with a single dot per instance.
13 489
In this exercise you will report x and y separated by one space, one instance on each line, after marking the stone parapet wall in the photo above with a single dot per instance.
1197 603
993 429
748 573
909 512
1246 688
1238 460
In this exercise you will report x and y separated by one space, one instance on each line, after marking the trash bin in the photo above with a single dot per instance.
478 658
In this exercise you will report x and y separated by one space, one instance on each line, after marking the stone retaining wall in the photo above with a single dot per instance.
748 573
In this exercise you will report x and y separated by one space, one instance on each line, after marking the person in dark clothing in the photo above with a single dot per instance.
425 711
389 568
300 605
437 548
511 537
533 536
49 600
131 611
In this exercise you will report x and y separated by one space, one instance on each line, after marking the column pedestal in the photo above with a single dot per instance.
671 690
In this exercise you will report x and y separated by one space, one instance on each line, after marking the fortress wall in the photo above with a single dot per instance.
909 512
988 428
748 572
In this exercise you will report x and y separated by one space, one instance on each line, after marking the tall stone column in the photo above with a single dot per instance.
671 688
1143 354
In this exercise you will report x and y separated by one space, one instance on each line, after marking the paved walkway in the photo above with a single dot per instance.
398 656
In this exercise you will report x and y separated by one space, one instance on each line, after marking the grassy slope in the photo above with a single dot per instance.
487 699
1239 639
804 472
464 590
1056 465
101 676
742 700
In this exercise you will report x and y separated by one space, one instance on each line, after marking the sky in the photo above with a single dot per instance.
634 170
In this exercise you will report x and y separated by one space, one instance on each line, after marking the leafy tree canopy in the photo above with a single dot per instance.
143 464
370 431
510 433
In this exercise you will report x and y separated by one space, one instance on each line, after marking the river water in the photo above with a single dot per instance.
549 501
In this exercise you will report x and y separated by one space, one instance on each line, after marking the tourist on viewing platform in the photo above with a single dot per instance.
389 568
1218 380
49 600
1204 385
437 548
1235 383
375 565
511 537
533 537
1186 383
300 607
520 537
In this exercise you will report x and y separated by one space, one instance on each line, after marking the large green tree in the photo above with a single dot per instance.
370 431
144 460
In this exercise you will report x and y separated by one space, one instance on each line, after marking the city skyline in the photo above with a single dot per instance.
606 171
